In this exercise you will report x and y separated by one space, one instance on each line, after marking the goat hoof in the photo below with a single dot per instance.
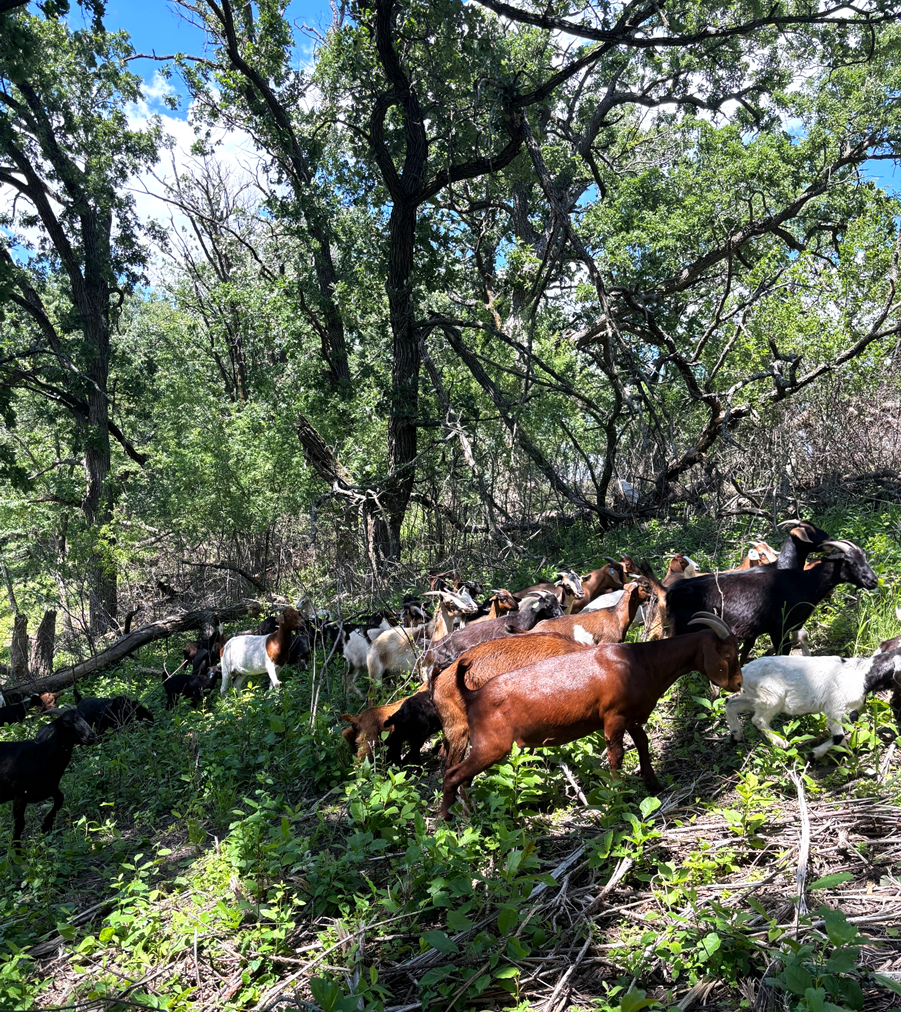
810 757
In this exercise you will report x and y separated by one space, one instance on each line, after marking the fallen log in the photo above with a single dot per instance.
62 678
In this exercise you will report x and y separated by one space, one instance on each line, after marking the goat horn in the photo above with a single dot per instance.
843 546
790 523
614 562
713 622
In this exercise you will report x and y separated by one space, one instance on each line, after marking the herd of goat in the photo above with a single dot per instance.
541 666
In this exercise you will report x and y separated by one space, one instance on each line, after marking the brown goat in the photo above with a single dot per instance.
681 567
607 625
483 661
611 688
599 581
501 603
366 728
761 554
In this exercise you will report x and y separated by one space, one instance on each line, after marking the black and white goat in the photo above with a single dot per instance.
835 686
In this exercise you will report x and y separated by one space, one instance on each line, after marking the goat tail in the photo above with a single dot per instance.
467 694
76 695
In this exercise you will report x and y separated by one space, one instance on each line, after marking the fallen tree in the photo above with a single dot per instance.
62 678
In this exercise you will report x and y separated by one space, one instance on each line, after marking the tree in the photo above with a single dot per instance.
66 153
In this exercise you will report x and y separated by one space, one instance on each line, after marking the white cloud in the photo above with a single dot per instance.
234 151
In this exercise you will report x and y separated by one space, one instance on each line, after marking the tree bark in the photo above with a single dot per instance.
19 649
43 645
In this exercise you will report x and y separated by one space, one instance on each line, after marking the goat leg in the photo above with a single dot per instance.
19 806
640 737
58 799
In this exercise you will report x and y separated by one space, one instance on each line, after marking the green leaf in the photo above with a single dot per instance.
505 972
837 927
649 805
635 1000
458 921
439 940
851 992
889 982
843 960
829 881
796 979
815 998
507 920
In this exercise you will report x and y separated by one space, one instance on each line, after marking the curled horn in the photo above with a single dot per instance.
790 523
713 622
842 546
59 709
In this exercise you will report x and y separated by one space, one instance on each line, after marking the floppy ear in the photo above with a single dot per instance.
715 668
800 534
616 577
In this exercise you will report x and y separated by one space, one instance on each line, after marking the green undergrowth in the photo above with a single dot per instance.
204 860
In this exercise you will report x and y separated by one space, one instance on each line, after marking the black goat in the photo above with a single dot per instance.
15 713
802 539
194 686
111 713
415 722
31 770
767 599
531 611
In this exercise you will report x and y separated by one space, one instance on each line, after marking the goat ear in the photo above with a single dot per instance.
715 668
800 534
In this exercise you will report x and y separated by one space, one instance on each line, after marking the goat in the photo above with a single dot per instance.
396 649
366 728
111 713
15 713
531 611
567 589
834 686
415 722
803 538
611 688
598 582
501 603
601 626
31 770
759 554
768 599
255 655
356 648
482 663
681 567
194 686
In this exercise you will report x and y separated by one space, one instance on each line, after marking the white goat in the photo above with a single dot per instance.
602 601
254 655
834 686
356 650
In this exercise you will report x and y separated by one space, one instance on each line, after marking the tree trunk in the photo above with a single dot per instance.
19 649
43 645
97 506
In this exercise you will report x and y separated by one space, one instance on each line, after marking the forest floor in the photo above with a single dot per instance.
236 858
